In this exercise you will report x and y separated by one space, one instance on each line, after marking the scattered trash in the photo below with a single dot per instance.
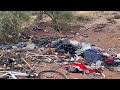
6 46
106 54
98 63
42 65
20 45
77 67
30 46
63 51
118 69
75 43
85 35
118 55
79 51
2 69
54 68
65 63
92 55
85 46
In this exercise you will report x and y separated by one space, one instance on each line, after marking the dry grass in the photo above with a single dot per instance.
82 17
78 13
30 22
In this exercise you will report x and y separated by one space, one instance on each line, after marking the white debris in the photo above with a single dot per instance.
30 46
74 42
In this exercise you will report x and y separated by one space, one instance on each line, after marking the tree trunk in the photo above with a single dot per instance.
40 15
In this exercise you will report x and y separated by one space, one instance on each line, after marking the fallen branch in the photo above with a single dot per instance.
34 54
27 63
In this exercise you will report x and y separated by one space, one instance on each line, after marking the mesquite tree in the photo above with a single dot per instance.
59 18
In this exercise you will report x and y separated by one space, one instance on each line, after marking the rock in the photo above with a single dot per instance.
54 68
99 27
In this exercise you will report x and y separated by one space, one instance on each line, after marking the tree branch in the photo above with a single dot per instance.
51 15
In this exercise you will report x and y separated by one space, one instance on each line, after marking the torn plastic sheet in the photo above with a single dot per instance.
30 46
85 46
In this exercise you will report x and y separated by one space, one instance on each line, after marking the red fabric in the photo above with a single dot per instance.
82 66
58 54
109 59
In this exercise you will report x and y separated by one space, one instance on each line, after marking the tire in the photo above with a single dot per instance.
51 71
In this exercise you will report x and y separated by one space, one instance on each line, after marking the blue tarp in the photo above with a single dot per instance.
92 55
30 46
20 44
5 46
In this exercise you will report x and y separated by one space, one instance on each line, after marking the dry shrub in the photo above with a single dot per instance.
84 18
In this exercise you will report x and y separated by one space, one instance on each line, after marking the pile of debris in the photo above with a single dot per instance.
80 57
11 61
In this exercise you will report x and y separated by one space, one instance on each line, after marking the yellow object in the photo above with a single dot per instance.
29 42
62 56
1 68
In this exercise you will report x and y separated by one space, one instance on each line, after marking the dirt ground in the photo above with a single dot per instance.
106 37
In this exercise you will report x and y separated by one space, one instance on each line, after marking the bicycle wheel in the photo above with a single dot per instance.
51 74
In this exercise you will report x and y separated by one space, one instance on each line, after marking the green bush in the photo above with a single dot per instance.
10 23
62 19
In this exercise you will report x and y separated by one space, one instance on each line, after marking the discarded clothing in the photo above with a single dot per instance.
56 43
110 59
41 42
92 55
85 46
67 47
82 67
